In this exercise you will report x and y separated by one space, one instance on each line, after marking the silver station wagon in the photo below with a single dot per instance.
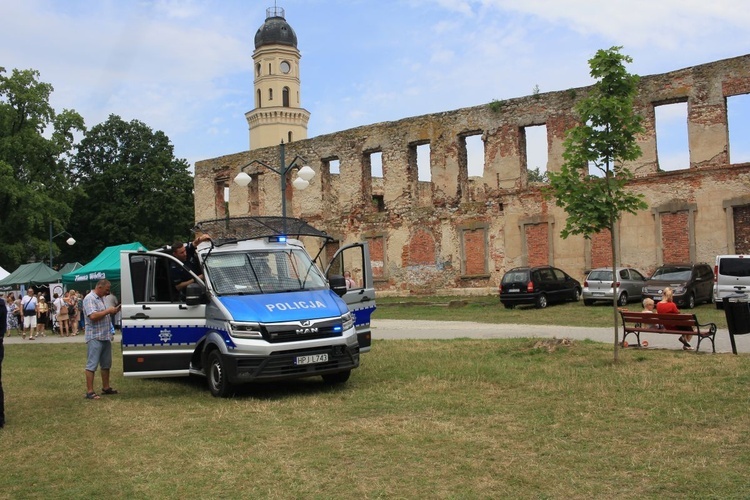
598 285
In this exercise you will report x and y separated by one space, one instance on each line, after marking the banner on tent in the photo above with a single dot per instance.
96 276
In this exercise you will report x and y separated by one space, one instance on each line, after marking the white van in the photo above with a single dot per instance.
261 310
730 272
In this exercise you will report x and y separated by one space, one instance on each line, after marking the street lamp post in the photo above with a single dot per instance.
70 241
304 175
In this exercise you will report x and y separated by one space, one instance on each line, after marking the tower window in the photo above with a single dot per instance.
285 97
270 94
258 104
257 69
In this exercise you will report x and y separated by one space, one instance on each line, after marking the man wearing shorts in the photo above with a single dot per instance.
99 333
28 307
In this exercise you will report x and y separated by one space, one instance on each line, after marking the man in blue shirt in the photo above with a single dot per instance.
99 334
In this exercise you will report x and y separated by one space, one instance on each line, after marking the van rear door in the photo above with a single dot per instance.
360 298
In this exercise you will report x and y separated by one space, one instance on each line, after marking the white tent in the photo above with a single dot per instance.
3 273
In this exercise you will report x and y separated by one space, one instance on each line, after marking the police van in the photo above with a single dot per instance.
261 310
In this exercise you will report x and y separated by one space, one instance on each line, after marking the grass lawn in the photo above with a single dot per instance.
419 419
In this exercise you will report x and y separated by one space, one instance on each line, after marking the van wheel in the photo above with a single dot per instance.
217 377
508 306
336 378
623 300
541 301
691 301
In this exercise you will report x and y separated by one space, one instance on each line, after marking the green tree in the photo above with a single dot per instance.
603 143
132 189
35 145
535 175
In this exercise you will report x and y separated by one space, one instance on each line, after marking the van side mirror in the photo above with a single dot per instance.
337 284
194 294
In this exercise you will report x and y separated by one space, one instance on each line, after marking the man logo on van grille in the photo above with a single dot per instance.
306 329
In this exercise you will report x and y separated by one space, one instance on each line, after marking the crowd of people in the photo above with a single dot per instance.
33 315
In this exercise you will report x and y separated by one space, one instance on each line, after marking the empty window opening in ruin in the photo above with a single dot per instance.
535 137
474 146
378 202
334 166
738 120
376 164
423 162
672 148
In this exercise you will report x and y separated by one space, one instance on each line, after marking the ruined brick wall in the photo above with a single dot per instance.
461 232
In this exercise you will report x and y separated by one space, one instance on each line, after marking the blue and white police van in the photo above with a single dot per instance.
262 310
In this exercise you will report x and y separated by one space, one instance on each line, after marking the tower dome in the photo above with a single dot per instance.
275 30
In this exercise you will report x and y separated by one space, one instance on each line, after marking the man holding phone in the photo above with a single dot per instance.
99 333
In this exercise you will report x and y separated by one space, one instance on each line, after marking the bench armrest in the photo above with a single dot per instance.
711 327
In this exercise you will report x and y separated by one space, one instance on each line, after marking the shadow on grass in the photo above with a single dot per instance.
268 391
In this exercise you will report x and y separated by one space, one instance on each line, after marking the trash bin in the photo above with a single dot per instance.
737 311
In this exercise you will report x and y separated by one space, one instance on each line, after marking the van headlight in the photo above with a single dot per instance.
347 321
245 330
679 290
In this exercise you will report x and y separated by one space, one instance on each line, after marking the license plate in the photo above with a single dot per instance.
514 290
598 293
311 359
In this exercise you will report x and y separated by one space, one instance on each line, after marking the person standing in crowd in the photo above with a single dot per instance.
14 314
3 328
28 306
81 318
63 316
99 333
110 300
73 313
42 315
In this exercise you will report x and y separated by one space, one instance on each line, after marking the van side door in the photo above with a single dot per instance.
159 330
360 298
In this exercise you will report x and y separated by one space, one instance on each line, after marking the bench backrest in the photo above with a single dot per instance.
652 320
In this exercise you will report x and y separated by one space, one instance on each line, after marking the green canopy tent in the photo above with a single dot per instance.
35 274
70 267
106 265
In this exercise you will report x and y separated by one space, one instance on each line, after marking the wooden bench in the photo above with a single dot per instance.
674 324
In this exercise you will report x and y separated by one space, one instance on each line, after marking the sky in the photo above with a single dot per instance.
185 67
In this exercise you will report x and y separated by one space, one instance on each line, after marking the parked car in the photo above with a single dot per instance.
691 283
731 274
538 286
598 285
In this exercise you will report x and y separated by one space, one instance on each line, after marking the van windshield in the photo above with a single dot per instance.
673 274
263 271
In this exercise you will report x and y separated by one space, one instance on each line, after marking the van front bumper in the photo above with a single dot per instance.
282 365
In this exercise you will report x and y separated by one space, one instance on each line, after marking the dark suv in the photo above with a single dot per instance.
691 283
538 286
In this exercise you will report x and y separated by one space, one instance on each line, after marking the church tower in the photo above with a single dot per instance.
278 115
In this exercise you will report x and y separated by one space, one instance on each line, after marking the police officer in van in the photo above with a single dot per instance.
180 277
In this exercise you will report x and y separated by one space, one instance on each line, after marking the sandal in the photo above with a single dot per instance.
687 347
92 395
109 390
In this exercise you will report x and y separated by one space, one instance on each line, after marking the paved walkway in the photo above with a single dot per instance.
425 329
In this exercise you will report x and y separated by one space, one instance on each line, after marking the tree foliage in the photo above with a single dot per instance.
34 177
120 184
603 142
132 188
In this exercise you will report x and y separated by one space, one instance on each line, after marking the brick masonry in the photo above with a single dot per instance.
459 234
